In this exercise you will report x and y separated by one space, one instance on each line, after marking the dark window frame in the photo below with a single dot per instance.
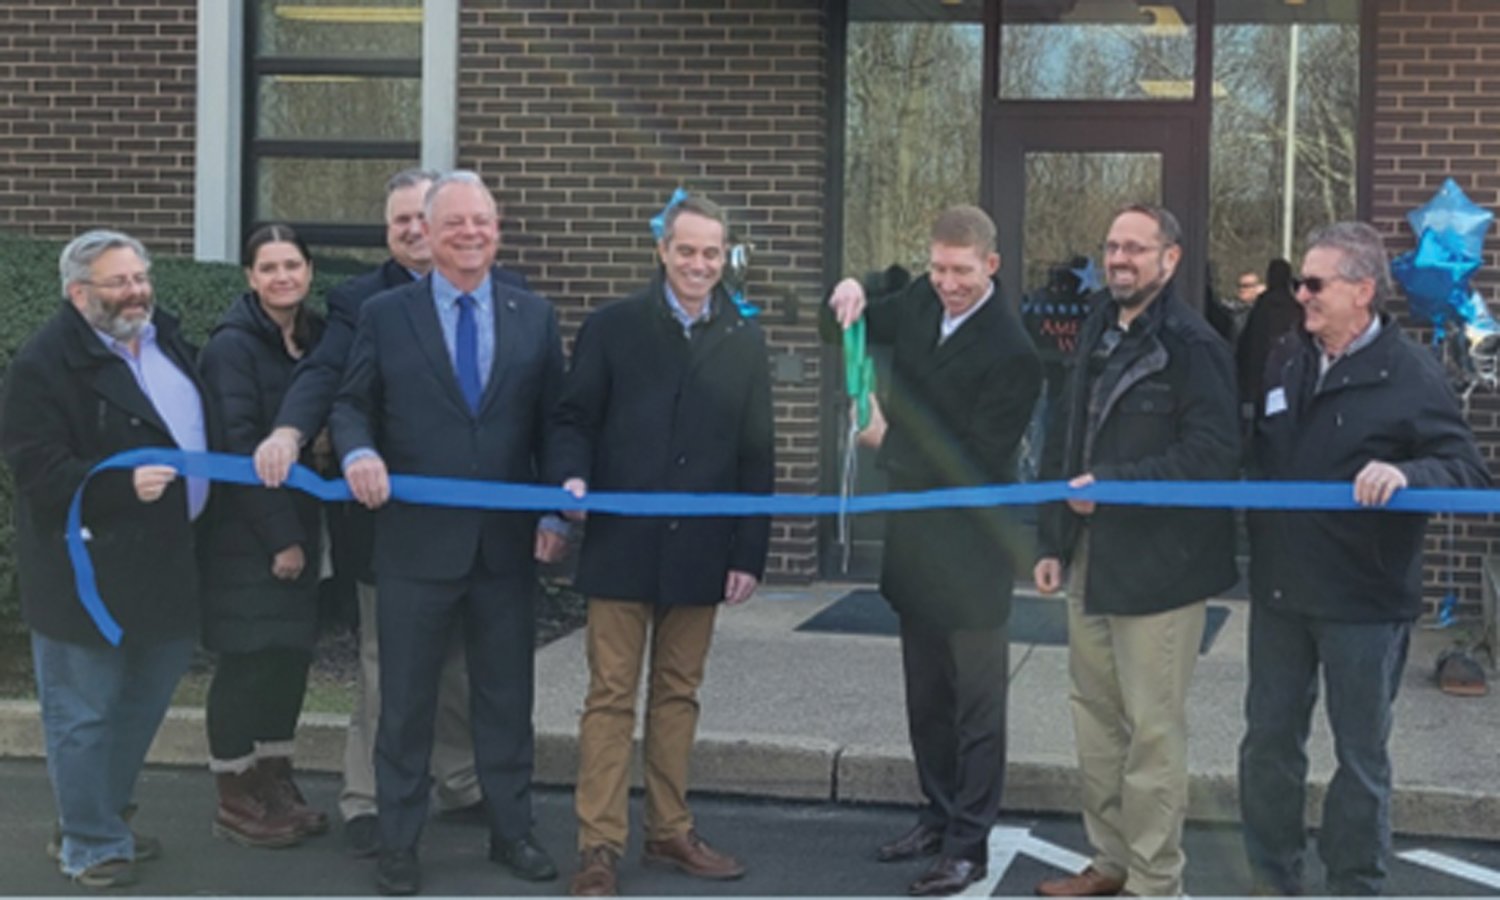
324 233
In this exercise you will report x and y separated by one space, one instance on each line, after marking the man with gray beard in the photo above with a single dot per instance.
1150 397
108 372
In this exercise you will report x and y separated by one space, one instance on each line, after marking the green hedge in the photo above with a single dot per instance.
29 293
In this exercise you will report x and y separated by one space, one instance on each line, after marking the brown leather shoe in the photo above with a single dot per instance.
596 873
922 840
690 853
1089 883
948 876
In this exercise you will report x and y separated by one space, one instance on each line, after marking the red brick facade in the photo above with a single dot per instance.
586 115
1436 79
97 120
586 118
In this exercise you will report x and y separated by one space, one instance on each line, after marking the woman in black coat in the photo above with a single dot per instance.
261 559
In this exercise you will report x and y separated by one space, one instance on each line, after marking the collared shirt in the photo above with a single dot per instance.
1365 339
445 298
705 312
175 398
950 323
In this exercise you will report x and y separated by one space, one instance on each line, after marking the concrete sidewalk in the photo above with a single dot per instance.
820 717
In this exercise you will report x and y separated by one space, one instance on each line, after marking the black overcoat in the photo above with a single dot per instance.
69 403
956 412
646 409
247 368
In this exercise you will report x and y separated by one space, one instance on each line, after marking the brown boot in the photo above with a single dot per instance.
278 780
244 817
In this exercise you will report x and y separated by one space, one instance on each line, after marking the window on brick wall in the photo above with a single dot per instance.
333 106
1283 155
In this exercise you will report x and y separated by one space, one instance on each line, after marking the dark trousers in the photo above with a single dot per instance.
255 697
956 683
1362 665
415 618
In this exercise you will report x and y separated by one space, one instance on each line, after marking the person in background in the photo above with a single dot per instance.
1275 313
262 555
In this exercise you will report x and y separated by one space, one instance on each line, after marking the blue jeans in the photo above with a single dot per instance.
101 707
1362 664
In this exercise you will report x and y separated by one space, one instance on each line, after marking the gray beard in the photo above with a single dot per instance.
117 327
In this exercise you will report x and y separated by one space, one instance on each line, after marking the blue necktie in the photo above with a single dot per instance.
466 352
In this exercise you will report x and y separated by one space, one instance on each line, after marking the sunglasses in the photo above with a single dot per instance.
1313 284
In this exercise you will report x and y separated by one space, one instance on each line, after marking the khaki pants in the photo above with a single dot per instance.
456 785
1130 678
618 631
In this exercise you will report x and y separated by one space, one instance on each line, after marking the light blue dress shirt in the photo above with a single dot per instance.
175 398
445 298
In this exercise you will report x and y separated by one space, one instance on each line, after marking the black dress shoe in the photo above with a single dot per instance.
524 857
922 840
397 873
362 835
947 876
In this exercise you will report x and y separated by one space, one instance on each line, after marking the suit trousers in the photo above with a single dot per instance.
417 619
620 634
1130 677
456 786
956 684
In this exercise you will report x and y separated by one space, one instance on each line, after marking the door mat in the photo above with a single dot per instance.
1033 620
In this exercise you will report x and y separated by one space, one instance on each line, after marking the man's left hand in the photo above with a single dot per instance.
739 586
551 546
1377 483
1082 507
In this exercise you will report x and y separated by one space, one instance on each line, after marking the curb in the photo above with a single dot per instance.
759 765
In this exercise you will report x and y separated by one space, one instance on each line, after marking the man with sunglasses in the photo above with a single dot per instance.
1150 397
1348 397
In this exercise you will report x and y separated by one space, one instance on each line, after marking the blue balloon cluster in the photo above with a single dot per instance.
1450 231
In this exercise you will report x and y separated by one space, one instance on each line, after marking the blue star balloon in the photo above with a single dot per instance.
1451 210
659 221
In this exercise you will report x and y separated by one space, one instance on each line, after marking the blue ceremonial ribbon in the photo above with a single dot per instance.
498 495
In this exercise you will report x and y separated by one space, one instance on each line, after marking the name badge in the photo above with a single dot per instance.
1275 401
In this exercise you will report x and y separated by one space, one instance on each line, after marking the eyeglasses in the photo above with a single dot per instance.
1129 248
121 282
1313 284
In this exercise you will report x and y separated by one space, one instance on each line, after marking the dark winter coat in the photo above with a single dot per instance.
70 403
1171 416
1391 402
955 413
646 409
247 368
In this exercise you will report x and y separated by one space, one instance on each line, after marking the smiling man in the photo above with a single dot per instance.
1348 398
453 376
964 377
669 390
1150 397
107 373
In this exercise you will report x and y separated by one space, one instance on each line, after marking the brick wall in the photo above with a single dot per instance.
96 120
587 117
1437 79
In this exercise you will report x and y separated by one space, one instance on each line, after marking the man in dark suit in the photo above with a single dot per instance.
669 390
453 376
107 373
964 377
302 415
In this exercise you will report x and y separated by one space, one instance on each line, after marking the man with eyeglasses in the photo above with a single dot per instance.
108 372
1348 397
1151 397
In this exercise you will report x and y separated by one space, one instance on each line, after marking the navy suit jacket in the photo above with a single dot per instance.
401 397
